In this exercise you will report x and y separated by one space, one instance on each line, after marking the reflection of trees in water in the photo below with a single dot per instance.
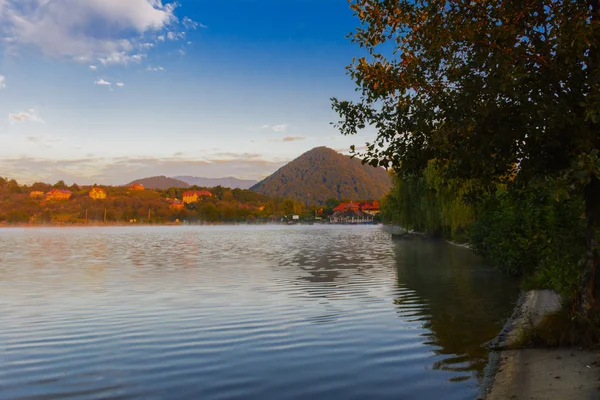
466 300
336 256
340 265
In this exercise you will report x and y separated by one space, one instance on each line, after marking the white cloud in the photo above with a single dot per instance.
182 52
189 24
161 38
93 67
121 58
120 170
155 69
30 115
102 82
120 84
175 36
110 31
276 128
2 77
280 128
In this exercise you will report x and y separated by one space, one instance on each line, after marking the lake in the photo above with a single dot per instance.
243 312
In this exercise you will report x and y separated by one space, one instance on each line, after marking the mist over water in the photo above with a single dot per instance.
243 312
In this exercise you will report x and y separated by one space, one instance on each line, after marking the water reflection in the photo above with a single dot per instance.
466 300
242 312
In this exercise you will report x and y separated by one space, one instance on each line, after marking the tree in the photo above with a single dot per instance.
13 186
60 185
491 90
332 203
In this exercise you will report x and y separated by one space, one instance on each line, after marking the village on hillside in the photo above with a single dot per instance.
59 204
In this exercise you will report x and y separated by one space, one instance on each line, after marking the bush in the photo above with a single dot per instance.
17 216
527 233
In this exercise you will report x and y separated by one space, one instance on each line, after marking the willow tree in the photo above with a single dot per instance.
490 89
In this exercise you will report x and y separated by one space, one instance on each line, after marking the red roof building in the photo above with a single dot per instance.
370 208
347 207
365 206
193 196
56 194
135 186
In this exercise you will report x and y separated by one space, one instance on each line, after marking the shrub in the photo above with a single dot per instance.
528 233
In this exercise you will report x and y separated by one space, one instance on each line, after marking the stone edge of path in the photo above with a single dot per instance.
508 370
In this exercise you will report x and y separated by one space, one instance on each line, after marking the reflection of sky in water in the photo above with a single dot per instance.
247 312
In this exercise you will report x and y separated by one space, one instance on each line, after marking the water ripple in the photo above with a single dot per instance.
242 312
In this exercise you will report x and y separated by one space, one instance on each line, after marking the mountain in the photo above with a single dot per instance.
229 182
161 183
323 173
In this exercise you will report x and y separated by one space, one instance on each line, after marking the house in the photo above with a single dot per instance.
36 194
346 207
56 195
370 208
365 207
135 186
176 204
355 213
193 196
97 193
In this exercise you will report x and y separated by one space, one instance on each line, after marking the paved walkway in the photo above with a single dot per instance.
542 374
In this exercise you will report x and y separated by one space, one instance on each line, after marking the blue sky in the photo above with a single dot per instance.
108 91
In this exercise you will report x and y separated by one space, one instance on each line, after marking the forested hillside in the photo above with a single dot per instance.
322 174
160 183
229 182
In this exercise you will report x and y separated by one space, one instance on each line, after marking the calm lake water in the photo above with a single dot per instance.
242 312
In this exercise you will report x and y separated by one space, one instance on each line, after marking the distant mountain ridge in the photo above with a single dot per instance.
161 183
323 173
230 182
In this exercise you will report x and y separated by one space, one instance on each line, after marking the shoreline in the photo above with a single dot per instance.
530 373
537 373
125 224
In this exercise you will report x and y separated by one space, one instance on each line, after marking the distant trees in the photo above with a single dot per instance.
61 185
13 186
40 187
148 206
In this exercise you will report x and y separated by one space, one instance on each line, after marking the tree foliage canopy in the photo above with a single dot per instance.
492 90
481 86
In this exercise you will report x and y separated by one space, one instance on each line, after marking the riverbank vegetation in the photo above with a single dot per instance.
488 113
525 232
